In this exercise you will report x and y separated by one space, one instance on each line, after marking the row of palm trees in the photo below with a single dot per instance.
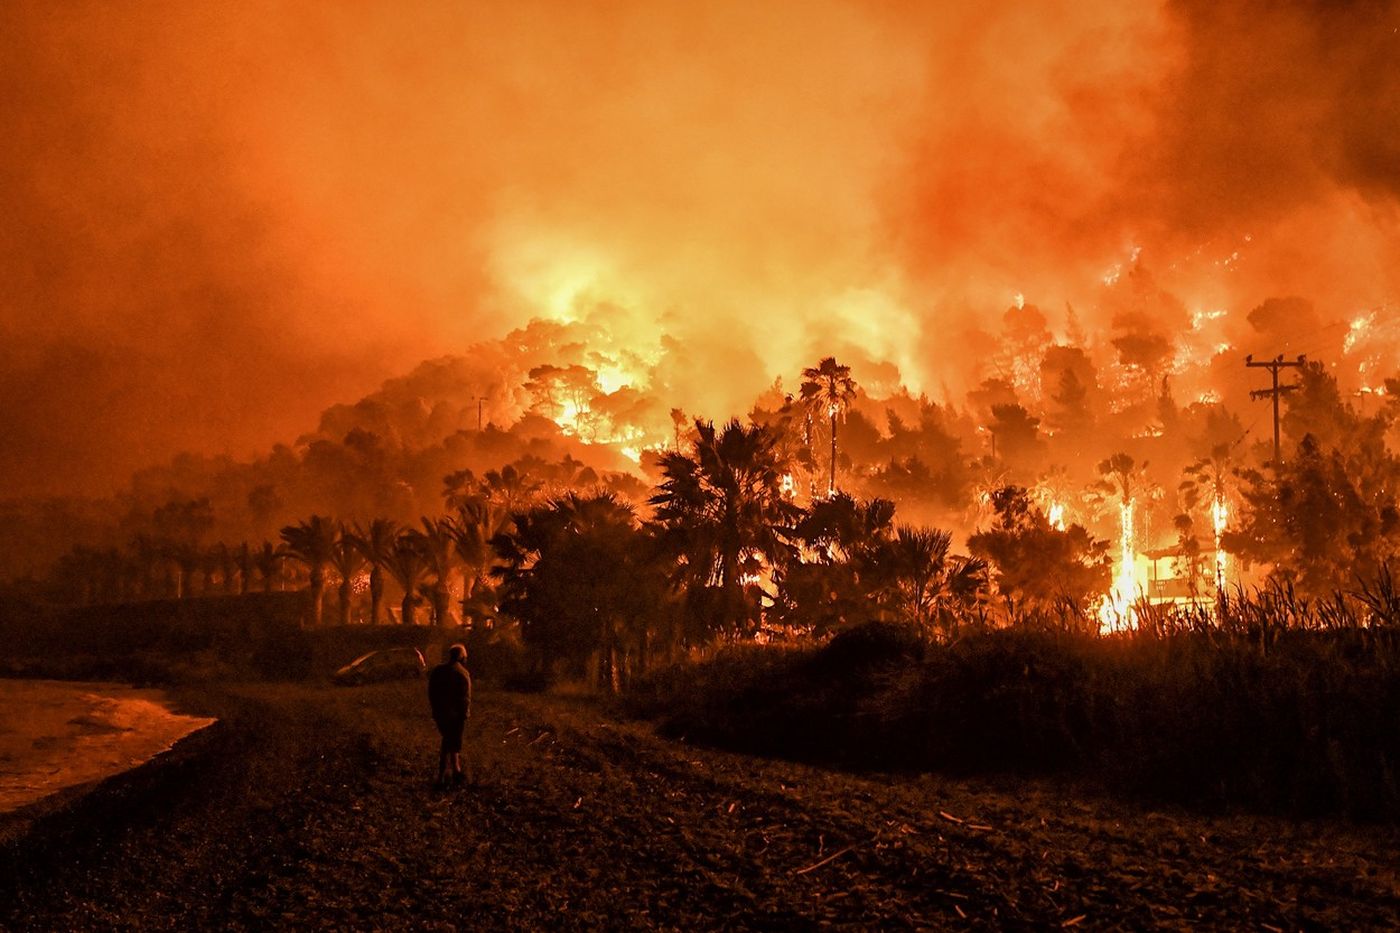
734 546
424 561
153 568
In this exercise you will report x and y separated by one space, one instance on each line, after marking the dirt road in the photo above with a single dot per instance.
310 807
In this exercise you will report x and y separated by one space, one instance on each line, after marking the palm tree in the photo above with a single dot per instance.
348 560
186 559
723 512
1122 477
212 561
914 576
509 489
407 566
376 542
148 557
243 557
836 579
1209 478
582 579
268 559
477 523
843 529
313 543
828 388
438 544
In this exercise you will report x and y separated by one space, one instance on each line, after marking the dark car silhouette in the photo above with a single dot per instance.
377 666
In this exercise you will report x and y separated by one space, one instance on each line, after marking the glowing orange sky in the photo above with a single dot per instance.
218 220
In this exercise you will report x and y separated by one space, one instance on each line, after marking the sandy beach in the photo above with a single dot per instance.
310 807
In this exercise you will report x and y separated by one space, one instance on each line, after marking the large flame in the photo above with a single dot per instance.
1219 517
1118 610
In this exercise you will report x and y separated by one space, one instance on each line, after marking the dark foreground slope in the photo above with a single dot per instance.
309 807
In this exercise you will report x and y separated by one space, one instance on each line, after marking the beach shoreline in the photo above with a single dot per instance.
58 737
29 825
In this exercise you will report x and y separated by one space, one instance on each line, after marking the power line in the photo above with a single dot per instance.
1274 392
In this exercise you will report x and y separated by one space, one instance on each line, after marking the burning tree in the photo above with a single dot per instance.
828 389
1206 481
348 560
376 541
1121 481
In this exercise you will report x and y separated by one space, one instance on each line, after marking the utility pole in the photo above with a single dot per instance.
1273 366
479 400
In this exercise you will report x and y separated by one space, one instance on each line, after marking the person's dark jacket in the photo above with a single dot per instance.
450 692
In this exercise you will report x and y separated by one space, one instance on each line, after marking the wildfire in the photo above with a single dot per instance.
1372 337
1056 515
1117 612
612 378
1115 272
1200 318
569 413
1357 331
1219 517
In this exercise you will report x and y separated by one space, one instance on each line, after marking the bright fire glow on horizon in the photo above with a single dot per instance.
750 185
322 222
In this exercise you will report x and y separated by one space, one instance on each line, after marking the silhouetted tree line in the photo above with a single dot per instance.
767 528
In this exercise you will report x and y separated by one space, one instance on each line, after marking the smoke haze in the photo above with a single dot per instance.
219 220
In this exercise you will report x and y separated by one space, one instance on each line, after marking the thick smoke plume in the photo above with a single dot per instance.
220 220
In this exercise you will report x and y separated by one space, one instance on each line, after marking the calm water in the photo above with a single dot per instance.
57 734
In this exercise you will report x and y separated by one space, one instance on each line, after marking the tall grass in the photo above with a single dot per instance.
1267 701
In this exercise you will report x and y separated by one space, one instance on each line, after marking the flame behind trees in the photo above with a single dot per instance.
313 543
376 542
1036 566
348 560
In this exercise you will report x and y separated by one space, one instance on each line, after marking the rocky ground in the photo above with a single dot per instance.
310 807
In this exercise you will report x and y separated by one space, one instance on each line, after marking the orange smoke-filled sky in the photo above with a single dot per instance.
219 219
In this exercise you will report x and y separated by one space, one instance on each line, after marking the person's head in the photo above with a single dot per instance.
457 654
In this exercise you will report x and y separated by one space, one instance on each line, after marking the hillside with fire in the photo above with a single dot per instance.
1137 457
786 464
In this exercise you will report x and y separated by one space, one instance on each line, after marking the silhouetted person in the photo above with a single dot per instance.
450 696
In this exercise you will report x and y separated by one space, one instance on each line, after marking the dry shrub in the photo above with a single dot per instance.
1300 718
